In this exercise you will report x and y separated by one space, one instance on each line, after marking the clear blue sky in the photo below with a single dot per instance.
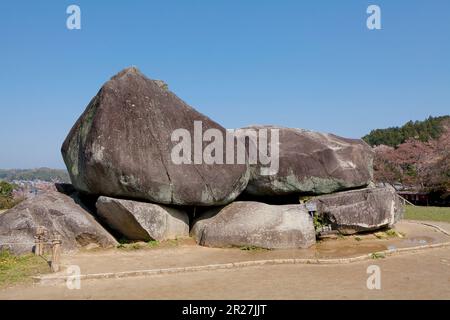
308 64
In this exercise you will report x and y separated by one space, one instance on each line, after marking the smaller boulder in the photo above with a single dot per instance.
143 221
59 214
247 223
360 210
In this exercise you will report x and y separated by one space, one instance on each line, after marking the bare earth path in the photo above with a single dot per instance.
188 254
423 275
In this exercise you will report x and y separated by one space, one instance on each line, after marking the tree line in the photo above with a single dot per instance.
424 131
7 199
44 174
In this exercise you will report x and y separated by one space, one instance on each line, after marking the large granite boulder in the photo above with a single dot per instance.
313 163
58 214
121 147
361 210
255 224
143 221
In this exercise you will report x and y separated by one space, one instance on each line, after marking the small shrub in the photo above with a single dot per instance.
317 222
9 202
252 248
153 243
130 245
391 233
304 199
135 246
123 241
377 255
394 233
380 235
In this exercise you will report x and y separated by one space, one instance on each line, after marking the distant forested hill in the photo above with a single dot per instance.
416 155
431 128
44 174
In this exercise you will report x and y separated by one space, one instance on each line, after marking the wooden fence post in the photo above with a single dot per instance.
39 240
37 245
56 253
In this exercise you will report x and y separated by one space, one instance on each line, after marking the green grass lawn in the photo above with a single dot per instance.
427 213
20 269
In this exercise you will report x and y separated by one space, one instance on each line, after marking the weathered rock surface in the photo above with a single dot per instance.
143 221
315 163
58 213
360 210
255 224
121 147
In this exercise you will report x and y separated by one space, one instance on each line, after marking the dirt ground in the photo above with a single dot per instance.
423 275
187 253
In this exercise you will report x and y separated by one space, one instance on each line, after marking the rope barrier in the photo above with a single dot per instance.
23 243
